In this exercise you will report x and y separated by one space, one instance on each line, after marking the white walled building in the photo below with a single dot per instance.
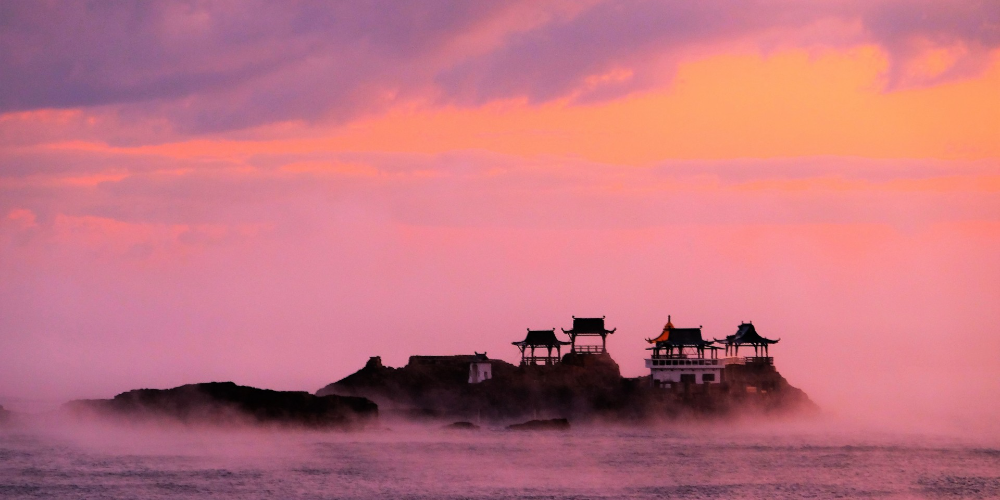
480 369
679 357
666 372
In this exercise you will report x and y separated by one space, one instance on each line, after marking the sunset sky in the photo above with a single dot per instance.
272 192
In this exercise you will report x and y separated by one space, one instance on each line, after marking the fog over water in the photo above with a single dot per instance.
818 459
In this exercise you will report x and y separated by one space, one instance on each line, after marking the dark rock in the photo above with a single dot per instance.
586 387
555 424
582 385
228 403
462 426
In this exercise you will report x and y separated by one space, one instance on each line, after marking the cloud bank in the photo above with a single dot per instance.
211 66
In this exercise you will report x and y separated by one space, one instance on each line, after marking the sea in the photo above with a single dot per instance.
763 460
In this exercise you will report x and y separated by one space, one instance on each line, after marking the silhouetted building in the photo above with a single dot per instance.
540 339
679 357
588 327
746 335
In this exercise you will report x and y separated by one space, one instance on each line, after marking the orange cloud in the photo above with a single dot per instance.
964 183
789 104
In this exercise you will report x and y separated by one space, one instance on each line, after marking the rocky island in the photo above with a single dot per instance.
580 387
225 403
547 389
687 379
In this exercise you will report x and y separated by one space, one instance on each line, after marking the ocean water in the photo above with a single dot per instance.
670 461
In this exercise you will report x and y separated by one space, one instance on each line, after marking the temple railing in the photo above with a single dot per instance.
671 356
539 360
749 360
588 349
660 361
680 356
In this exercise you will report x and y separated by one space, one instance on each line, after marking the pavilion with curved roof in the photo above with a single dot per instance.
538 339
588 327
746 335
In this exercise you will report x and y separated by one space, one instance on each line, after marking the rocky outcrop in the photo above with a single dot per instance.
439 386
759 386
581 387
225 403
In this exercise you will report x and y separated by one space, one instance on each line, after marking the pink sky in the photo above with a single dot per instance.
272 193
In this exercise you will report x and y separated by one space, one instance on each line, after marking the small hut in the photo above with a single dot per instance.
480 368
538 339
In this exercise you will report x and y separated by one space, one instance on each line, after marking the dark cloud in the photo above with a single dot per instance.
218 65
907 29
222 66
554 61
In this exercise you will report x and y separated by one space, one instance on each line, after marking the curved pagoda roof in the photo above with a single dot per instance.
747 334
544 338
680 337
593 326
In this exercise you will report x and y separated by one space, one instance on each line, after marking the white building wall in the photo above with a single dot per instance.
664 371
480 371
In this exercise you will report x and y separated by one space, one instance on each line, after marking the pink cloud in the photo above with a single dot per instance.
22 218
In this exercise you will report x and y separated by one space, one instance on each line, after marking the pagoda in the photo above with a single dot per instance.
746 335
536 339
679 357
588 327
